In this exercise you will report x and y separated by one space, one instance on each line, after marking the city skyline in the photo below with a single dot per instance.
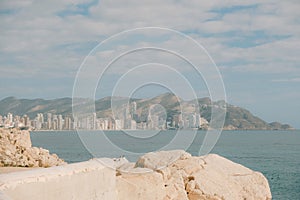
129 121
162 112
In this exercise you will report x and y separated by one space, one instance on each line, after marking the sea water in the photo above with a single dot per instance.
274 153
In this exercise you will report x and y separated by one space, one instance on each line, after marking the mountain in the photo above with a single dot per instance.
236 117
33 106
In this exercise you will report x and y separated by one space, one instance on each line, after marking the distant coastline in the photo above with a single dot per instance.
236 130
133 114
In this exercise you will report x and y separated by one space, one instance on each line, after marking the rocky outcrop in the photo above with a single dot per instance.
177 175
16 151
165 175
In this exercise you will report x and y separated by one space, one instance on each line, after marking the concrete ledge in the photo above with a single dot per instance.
82 181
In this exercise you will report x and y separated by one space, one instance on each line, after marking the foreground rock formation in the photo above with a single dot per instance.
178 175
16 151
166 175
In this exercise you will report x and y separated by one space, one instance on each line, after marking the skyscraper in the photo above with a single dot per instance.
68 123
60 122
198 120
54 122
10 119
26 121
93 121
49 121
133 107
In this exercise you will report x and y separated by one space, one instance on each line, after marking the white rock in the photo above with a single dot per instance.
166 175
113 163
219 178
210 177
162 159
140 186
16 151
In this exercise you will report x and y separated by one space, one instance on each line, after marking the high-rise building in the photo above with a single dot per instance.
110 125
105 124
68 123
55 122
36 124
191 120
40 117
118 124
38 121
17 118
178 121
60 122
133 125
76 123
27 122
126 113
155 121
133 107
9 119
93 121
49 121
198 120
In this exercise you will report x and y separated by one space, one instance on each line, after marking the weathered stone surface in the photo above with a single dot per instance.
219 178
16 151
138 186
173 175
80 181
113 163
162 159
210 177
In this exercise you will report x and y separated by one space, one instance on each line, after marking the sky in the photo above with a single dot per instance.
254 44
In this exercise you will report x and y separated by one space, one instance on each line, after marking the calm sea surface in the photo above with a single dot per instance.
274 153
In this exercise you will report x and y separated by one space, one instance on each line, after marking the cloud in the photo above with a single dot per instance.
58 34
292 80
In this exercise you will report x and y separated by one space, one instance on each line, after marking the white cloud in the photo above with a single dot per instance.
37 37
293 80
17 4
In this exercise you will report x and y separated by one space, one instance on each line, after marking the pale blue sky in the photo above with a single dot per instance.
254 43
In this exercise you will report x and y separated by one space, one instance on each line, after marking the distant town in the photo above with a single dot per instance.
127 119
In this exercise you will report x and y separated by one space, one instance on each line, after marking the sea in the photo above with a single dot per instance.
274 153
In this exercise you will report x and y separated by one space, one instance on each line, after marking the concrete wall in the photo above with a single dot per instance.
83 181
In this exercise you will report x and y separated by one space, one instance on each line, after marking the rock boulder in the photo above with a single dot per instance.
182 176
16 151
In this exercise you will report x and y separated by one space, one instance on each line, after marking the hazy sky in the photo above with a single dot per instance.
255 45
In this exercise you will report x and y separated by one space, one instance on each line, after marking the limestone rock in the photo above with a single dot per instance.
138 186
113 163
210 177
219 178
16 151
173 175
158 160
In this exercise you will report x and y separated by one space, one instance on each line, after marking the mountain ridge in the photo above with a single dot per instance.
237 118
